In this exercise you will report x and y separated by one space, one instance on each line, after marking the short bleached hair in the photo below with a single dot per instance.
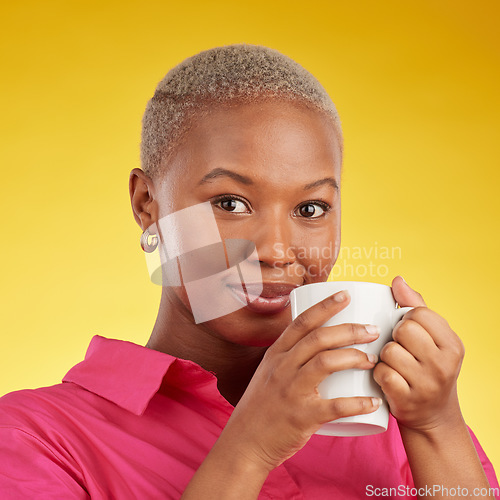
223 76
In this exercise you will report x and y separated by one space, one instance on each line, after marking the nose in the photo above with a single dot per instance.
273 241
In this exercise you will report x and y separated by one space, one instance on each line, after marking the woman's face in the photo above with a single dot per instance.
271 171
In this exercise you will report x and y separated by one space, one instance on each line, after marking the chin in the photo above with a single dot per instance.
244 327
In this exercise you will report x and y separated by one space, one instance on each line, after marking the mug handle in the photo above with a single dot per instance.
398 313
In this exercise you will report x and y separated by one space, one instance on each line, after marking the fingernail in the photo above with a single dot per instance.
341 296
372 358
376 401
372 329
403 279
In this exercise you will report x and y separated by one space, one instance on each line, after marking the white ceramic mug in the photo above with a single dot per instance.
371 303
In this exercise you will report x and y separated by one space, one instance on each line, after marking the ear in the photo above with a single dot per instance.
143 198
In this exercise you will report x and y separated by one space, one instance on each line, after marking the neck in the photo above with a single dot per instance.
176 333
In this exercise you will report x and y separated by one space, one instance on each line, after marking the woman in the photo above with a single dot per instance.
222 402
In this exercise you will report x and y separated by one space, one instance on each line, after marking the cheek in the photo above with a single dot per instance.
205 302
318 254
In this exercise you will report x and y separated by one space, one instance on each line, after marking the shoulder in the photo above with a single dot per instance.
45 422
33 456
32 408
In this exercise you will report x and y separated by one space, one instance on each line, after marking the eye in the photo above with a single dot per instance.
230 203
233 204
313 210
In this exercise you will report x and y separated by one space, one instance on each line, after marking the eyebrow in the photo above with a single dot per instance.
243 179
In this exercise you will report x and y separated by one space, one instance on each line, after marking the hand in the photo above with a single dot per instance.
418 371
281 407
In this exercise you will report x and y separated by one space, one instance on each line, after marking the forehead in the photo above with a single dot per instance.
269 139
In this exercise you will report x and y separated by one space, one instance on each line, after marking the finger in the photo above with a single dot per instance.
434 324
404 294
311 318
327 362
399 359
415 339
331 409
331 337
391 382
439 361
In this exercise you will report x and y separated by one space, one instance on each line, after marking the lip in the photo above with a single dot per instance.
273 298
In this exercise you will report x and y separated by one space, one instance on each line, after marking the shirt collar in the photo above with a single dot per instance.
129 375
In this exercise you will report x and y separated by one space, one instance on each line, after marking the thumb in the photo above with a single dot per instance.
404 295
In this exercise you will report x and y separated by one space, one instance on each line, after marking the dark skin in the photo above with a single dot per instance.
268 365
304 149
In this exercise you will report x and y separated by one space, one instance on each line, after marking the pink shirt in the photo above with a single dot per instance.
112 430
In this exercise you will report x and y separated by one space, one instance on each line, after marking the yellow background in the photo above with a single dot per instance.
416 85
